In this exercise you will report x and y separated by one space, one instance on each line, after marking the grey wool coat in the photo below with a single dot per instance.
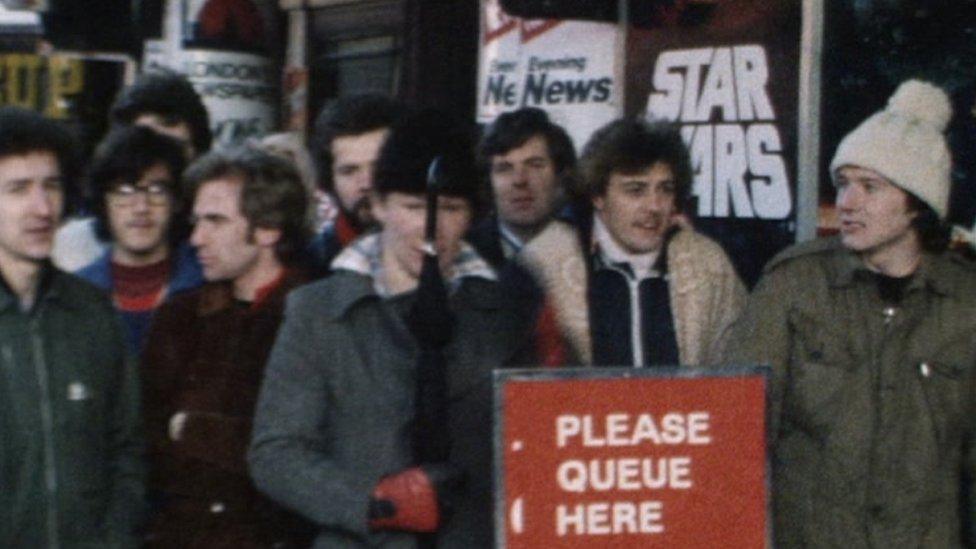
334 412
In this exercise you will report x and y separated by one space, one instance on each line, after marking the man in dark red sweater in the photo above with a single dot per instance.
134 180
205 356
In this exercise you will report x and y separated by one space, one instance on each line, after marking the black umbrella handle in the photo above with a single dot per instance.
433 188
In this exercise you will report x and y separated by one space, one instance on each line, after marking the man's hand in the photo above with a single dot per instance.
176 424
418 499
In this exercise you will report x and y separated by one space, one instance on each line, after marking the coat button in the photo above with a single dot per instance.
925 369
217 507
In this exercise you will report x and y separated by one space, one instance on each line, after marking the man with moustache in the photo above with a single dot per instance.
528 161
870 338
206 352
71 470
134 181
345 398
347 139
646 290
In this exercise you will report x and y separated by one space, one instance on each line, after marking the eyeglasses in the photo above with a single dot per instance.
157 194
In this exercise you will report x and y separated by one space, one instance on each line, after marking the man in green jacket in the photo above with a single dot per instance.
871 340
71 472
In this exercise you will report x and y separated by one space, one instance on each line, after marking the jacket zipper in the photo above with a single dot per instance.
889 313
47 425
8 359
637 342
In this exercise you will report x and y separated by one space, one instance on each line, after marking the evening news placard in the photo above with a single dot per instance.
630 458
570 69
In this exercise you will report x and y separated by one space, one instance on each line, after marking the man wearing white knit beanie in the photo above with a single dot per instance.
870 336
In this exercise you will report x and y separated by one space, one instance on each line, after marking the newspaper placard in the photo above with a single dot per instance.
240 91
568 68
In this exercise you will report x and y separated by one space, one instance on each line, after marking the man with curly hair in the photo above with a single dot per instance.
164 102
634 287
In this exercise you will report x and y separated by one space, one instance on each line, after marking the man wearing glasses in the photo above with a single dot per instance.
134 180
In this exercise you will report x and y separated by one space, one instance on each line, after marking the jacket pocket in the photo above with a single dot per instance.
86 435
943 385
819 376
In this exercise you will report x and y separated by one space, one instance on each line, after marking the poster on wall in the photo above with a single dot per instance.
728 74
240 91
568 68
223 51
617 457
238 25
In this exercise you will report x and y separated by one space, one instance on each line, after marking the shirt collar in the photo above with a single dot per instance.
510 241
931 273
363 257
610 253
49 287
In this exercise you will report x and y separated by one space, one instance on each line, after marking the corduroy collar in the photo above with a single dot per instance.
219 296
363 257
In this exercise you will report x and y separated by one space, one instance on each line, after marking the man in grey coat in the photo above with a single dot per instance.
335 435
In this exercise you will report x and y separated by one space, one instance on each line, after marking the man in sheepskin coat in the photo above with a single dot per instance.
635 286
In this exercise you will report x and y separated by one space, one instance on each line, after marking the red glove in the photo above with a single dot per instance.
414 499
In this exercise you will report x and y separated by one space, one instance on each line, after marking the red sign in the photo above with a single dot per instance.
590 458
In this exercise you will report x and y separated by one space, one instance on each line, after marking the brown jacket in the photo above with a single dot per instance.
205 357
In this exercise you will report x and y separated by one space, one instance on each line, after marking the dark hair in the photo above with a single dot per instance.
272 193
345 116
512 129
123 157
629 146
169 95
934 234
414 142
23 132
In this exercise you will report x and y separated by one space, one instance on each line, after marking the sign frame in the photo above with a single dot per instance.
502 376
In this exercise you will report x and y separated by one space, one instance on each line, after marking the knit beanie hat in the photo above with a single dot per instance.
414 141
905 143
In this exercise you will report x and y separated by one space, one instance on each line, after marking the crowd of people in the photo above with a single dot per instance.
279 346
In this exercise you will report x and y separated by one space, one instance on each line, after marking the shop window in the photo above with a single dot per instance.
354 48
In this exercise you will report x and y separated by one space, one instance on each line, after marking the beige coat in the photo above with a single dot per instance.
706 294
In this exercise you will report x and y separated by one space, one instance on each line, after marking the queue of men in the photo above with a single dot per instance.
335 389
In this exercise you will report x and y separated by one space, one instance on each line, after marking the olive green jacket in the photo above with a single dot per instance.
872 406
71 469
